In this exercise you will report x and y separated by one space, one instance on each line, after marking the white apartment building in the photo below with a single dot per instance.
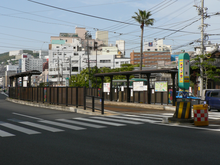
109 61
209 47
61 54
15 52
156 45
28 64
63 60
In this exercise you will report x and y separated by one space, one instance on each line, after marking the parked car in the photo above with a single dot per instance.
193 99
212 98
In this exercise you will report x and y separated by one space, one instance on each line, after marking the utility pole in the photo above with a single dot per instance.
202 46
88 35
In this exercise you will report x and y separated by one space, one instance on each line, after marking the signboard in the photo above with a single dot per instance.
67 81
139 86
184 71
106 87
184 95
161 86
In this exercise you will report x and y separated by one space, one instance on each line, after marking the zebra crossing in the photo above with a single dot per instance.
76 124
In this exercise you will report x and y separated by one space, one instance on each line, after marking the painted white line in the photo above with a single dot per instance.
62 125
191 127
132 118
27 116
101 122
47 128
81 123
155 115
20 129
5 134
4 94
118 120
144 117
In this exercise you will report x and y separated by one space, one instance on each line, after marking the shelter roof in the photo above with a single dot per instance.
28 73
166 70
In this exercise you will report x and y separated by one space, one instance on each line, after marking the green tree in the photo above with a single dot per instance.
81 80
143 18
210 70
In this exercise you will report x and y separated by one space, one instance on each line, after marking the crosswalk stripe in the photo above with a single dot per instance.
132 118
51 129
154 115
146 117
81 123
118 120
62 125
98 121
5 134
20 129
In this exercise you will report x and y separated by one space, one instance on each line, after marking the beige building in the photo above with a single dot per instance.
102 36
150 58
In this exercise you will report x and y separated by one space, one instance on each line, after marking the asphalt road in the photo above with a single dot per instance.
130 144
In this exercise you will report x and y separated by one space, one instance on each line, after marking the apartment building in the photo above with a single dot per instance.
150 58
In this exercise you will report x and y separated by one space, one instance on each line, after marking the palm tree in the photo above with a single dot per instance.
143 18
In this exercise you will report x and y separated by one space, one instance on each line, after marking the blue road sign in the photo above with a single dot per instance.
184 95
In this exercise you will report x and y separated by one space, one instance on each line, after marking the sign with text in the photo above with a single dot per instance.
106 87
139 86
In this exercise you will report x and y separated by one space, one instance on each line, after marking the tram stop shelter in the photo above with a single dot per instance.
172 71
22 75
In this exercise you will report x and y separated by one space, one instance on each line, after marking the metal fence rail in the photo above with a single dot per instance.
52 95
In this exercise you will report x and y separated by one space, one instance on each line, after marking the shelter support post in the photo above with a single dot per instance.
148 89
102 107
16 82
29 79
174 89
22 81
128 89
111 92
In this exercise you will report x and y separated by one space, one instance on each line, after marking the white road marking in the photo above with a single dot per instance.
81 123
18 128
98 121
51 129
5 134
145 117
118 120
27 116
62 125
191 127
137 119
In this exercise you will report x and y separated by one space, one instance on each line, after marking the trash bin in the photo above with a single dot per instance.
200 115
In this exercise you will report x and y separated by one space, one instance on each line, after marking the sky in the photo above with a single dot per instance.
28 25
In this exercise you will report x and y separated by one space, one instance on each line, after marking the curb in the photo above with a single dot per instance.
60 107
147 106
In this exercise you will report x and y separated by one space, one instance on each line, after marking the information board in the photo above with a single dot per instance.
139 86
106 87
161 86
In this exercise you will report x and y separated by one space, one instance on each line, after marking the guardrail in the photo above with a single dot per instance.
93 102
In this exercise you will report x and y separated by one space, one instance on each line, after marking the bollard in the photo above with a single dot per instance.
183 110
200 115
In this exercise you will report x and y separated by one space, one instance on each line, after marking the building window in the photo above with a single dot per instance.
74 69
155 49
117 62
105 61
148 49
